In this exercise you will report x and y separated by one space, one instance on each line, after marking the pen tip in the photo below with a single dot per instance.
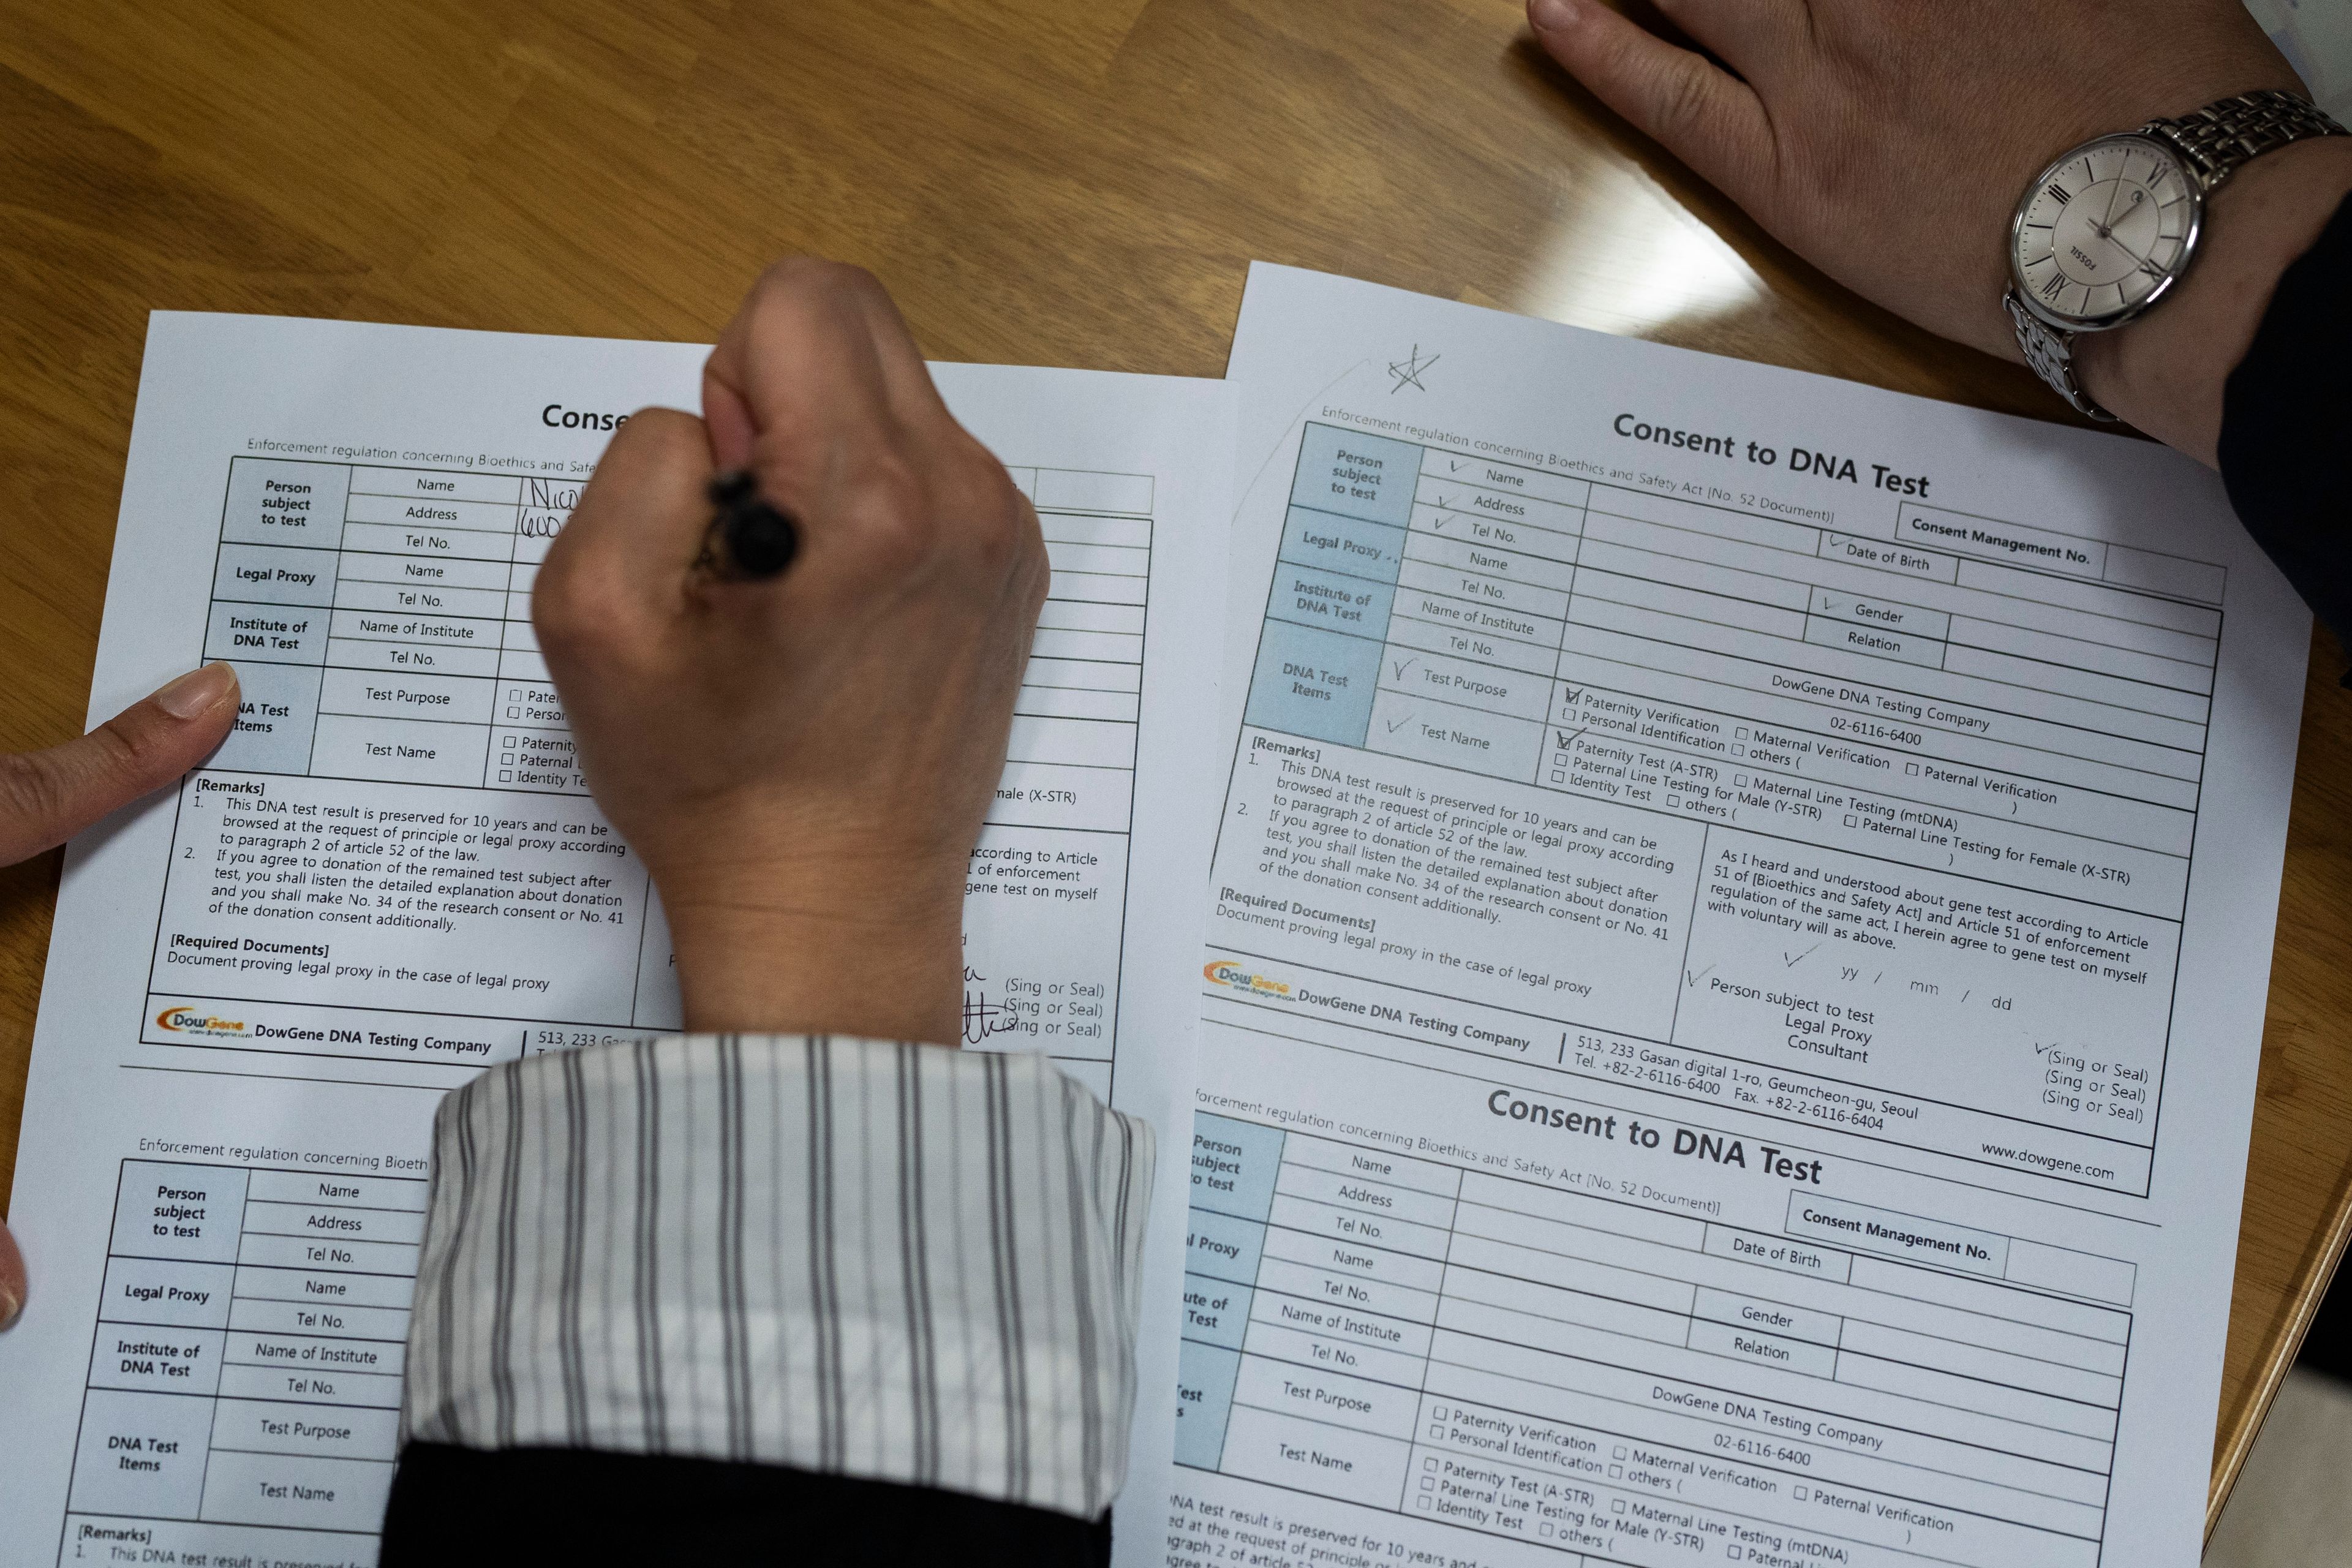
762 540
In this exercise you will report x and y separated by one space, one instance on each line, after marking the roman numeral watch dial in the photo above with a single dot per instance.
2104 231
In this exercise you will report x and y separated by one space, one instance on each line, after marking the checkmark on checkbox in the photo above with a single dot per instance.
1396 724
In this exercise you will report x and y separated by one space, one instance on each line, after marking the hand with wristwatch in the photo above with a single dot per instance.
1896 144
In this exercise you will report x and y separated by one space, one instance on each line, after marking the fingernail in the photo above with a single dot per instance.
1552 16
197 691
10 1305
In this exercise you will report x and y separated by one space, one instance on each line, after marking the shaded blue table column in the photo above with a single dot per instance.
282 538
1319 655
1233 1168
155 1359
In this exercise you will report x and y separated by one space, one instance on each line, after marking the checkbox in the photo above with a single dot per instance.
508 742
1739 751
1616 1505
1799 1493
1437 1431
1911 768
1543 1530
1616 1472
514 712
1850 822
1740 780
1437 1413
506 775
1731 1550
1559 776
507 757
1427 1482
1740 732
1420 1502
1618 1452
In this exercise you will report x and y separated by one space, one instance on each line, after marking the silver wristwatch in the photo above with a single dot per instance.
2107 230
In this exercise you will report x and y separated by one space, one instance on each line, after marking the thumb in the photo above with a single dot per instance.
46 798
12 1278
615 577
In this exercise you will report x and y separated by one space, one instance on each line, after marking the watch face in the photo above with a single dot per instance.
2104 232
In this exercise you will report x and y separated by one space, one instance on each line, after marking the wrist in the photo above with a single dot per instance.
801 948
2165 373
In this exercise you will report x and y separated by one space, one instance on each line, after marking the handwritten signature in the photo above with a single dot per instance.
982 1017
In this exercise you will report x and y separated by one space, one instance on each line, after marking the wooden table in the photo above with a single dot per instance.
1056 182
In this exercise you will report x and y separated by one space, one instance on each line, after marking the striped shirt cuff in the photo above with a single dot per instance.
896 1262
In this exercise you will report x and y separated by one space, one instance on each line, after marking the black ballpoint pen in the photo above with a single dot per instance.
749 539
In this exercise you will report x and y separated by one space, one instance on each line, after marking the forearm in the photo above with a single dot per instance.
2165 374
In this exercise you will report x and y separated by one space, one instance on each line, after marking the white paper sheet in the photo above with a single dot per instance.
1724 876
243 991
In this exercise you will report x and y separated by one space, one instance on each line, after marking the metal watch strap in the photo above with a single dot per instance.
2049 351
2215 141
2221 137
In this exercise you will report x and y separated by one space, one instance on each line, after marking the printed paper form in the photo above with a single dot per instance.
1740 933
391 874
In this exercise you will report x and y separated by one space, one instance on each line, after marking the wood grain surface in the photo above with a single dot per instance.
1054 181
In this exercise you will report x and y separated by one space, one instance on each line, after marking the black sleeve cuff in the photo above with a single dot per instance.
2286 426
452 1507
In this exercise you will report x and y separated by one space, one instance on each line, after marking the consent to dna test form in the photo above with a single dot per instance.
1737 958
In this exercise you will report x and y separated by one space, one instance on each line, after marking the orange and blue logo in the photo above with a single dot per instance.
1232 976
195 1021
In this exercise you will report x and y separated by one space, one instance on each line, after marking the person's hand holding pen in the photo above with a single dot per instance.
804 758
46 798
1887 141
